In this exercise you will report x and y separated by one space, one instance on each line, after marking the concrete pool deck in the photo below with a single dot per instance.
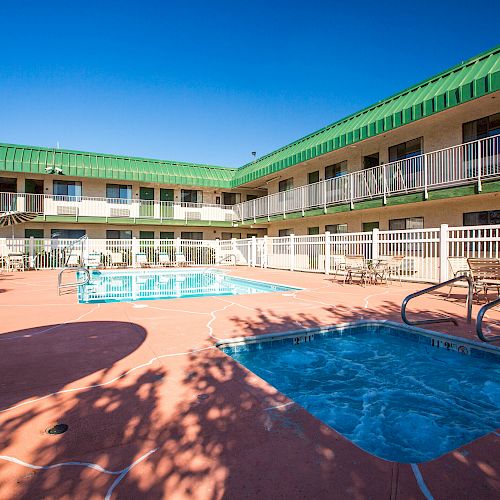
155 410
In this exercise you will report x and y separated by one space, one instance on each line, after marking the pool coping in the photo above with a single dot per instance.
450 342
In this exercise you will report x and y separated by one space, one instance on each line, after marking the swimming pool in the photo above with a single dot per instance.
401 393
127 285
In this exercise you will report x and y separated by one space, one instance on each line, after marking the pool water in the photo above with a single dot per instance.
121 286
396 396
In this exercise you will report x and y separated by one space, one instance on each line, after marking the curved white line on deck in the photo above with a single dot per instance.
213 318
279 406
120 473
420 481
368 297
103 384
29 335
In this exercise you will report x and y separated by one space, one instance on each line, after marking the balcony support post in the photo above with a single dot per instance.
479 167
302 199
284 205
254 214
324 196
426 193
384 180
351 189
268 216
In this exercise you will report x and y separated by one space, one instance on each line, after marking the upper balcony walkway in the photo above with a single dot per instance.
466 164
470 163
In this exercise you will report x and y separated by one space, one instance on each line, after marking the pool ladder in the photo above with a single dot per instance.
470 295
77 283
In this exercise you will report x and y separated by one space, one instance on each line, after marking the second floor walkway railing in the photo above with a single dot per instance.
468 163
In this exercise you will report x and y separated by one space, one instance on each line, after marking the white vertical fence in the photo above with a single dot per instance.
426 251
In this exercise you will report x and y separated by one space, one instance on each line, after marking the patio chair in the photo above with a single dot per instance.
459 267
485 274
164 259
117 259
142 260
337 264
93 260
180 260
395 267
73 260
355 266
15 262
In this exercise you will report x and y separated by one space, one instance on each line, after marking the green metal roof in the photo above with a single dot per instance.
469 80
15 158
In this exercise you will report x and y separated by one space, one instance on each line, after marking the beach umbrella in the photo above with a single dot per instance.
13 218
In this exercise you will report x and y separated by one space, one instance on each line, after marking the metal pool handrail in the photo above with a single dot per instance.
77 283
479 321
436 287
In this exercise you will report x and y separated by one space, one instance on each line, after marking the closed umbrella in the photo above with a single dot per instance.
13 218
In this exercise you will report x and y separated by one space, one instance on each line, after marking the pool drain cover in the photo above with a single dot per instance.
57 429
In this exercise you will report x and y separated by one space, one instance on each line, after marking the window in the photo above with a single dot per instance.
119 192
167 235
484 127
67 188
371 161
482 218
166 194
251 235
228 236
285 232
231 198
370 226
407 149
251 197
336 228
312 231
313 177
336 170
147 235
192 235
69 234
285 185
409 223
8 185
114 234
33 233
191 196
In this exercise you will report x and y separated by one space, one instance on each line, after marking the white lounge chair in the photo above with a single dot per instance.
142 260
180 260
164 260
117 259
93 260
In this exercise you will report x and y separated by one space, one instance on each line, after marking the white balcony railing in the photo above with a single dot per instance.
84 206
467 163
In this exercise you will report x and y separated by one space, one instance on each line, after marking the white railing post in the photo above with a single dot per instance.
135 251
234 249
284 205
426 193
324 196
177 245
479 167
302 199
31 253
268 216
375 240
254 216
384 180
217 251
443 252
254 251
327 253
264 256
292 252
351 189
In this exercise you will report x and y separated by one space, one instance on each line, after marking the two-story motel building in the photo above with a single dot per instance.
423 157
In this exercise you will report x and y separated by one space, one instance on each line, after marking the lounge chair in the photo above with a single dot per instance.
394 266
142 260
73 260
180 260
117 260
93 260
164 260
337 264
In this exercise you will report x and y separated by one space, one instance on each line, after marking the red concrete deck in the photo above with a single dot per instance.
162 413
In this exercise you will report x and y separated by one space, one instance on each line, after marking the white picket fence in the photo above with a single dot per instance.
426 251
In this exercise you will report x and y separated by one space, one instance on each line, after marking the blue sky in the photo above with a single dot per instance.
209 82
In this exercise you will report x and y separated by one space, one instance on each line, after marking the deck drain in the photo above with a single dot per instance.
57 429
